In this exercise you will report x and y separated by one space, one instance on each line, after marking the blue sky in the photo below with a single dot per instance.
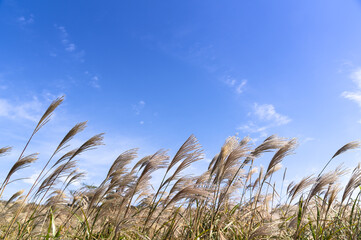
150 73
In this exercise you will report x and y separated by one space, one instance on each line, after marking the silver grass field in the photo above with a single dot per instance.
233 199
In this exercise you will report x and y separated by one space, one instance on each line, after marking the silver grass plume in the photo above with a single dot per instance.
274 169
232 160
97 194
57 197
122 160
259 179
49 111
281 153
4 150
65 157
49 181
75 177
190 158
157 160
295 189
268 230
346 147
22 163
177 186
92 143
214 159
43 120
190 145
333 194
273 142
203 178
292 184
323 181
13 197
188 192
70 135
230 144
353 183
250 173
141 163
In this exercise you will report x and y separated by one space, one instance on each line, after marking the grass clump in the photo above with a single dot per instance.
232 199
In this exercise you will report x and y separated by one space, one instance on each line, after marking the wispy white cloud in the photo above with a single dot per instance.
30 110
355 96
239 88
68 45
264 117
236 85
25 110
94 79
356 77
31 180
137 108
267 112
307 139
252 127
23 20
95 82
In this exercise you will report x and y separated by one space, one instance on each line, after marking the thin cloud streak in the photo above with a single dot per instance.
354 96
267 112
68 46
25 110
137 108
236 85
265 117
23 20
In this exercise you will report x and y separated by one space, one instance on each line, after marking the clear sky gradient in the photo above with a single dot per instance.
150 73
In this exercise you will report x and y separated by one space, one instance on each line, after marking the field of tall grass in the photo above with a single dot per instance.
233 199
